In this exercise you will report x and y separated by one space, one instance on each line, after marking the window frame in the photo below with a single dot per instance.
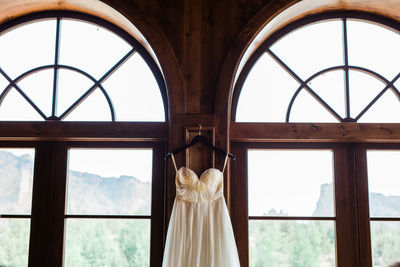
46 243
264 46
345 200
349 139
52 138
59 14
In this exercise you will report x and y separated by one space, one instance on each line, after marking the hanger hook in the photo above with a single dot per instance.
199 129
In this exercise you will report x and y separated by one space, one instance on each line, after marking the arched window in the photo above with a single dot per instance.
314 187
89 101
334 68
75 67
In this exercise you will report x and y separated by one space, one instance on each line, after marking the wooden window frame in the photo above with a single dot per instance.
349 142
51 141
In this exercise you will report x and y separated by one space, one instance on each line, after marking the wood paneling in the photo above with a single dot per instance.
319 132
55 130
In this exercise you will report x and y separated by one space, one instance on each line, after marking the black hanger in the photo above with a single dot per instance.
203 140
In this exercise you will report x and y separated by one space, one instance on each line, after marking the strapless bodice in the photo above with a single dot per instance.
207 187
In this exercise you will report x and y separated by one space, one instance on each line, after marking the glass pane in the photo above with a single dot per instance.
14 242
134 92
90 47
307 109
39 88
317 46
384 183
18 57
330 87
3 83
98 242
386 109
15 108
16 178
363 88
291 243
94 108
385 243
304 189
374 47
109 181
71 86
266 93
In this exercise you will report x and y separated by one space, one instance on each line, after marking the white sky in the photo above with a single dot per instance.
287 180
113 162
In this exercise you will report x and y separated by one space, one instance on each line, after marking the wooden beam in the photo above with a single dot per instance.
319 132
56 130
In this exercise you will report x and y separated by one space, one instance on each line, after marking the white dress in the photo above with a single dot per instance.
200 231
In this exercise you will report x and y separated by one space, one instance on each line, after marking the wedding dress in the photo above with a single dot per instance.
200 231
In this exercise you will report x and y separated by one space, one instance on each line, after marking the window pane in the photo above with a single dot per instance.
307 109
266 92
374 47
83 44
291 243
317 46
134 92
39 88
111 242
330 87
16 178
385 243
363 89
15 108
14 242
94 108
384 183
109 181
290 182
3 83
24 48
71 86
386 109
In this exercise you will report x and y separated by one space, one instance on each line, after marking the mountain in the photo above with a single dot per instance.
381 205
87 193
15 183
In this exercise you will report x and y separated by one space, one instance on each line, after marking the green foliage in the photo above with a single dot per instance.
14 242
385 243
291 243
110 243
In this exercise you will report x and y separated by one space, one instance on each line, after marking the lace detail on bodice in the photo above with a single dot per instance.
190 187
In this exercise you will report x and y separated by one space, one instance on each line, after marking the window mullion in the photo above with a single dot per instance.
347 246
55 77
346 70
58 204
46 205
240 213
363 206
158 229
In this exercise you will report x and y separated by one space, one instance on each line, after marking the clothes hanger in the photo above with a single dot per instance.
204 141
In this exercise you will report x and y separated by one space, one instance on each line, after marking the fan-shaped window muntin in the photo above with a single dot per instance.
96 83
302 82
